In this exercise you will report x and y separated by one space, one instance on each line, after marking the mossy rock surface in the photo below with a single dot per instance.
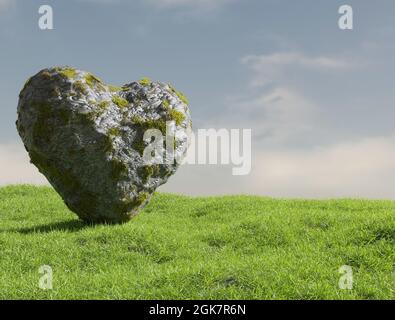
87 138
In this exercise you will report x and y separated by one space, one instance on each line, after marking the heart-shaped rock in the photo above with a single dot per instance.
86 137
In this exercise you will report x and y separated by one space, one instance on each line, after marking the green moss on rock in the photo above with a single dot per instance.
129 205
141 198
87 118
114 88
118 169
92 80
179 94
145 81
146 172
68 73
105 144
79 87
46 75
177 116
160 124
102 106
96 159
114 132
120 102
139 145
166 104
146 124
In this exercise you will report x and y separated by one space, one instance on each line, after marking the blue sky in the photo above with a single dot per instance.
320 101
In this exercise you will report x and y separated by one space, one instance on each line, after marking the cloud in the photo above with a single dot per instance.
283 59
290 158
273 67
355 169
281 107
365 168
275 116
15 166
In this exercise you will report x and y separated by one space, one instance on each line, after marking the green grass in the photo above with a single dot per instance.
198 248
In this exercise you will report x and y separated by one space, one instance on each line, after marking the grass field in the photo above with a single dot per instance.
198 248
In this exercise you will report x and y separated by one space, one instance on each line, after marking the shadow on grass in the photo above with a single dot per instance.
68 226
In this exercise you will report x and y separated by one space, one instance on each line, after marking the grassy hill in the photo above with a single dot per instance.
184 247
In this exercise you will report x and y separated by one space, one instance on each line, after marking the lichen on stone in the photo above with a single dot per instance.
145 81
68 72
92 80
179 94
118 169
114 132
114 88
79 87
149 171
177 116
120 102
87 138
166 104
102 106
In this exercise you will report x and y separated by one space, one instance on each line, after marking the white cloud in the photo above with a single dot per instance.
360 169
322 62
365 168
286 113
15 166
273 67
280 106
275 116
280 114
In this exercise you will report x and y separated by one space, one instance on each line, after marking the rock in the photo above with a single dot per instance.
86 137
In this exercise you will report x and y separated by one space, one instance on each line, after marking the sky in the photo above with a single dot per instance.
319 100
